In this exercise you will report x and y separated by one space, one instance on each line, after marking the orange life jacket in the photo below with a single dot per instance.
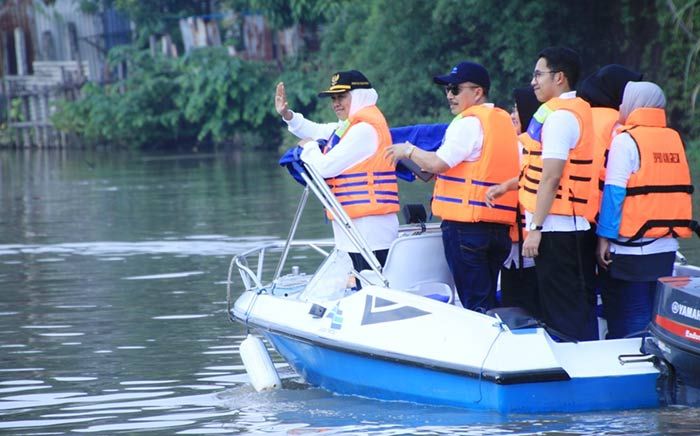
604 120
574 186
528 144
368 188
460 192
658 202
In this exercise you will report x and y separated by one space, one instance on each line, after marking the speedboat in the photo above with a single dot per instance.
404 336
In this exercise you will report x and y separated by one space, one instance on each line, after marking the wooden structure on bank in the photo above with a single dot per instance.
48 50
31 101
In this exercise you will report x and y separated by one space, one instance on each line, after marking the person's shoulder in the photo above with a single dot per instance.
561 116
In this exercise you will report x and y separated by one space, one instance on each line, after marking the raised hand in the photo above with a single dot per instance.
281 105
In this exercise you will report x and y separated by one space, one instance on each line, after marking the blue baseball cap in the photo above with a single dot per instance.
466 72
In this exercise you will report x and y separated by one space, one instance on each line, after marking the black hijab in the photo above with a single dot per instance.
527 105
605 87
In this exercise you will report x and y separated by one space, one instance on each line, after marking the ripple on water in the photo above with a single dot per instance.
165 276
46 326
168 317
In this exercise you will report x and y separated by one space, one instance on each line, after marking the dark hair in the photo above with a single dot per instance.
527 105
565 60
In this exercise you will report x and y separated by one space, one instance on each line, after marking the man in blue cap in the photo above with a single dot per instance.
479 150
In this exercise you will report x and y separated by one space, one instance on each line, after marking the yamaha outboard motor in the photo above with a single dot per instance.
675 339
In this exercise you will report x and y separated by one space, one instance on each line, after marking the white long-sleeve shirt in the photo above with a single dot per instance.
358 144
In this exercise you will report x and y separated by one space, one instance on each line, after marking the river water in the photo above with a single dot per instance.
113 313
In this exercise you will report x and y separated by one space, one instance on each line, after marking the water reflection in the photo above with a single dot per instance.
112 311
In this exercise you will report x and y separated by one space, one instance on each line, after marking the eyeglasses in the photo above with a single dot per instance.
537 74
455 89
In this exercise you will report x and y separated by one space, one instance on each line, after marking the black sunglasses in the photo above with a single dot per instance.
455 89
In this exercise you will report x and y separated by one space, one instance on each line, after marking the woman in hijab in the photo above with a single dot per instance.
349 154
646 205
603 91
518 276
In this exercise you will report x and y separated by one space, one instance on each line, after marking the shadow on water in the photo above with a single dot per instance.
112 307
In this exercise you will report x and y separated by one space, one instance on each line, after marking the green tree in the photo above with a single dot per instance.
226 96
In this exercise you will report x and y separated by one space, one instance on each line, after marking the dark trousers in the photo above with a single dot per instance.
359 263
475 253
566 281
628 289
519 289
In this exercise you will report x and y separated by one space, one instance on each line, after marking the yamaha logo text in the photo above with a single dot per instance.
686 311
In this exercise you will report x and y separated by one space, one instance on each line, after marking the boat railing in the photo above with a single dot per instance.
250 264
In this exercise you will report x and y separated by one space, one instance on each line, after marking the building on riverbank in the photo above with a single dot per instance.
48 50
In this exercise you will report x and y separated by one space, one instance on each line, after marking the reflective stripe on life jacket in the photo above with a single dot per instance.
658 201
574 186
460 192
370 187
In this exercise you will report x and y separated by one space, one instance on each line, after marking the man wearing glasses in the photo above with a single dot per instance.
555 191
479 150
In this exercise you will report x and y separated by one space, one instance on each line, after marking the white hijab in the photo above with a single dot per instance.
641 94
361 98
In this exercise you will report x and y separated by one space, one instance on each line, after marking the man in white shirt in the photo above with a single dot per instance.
479 150
555 194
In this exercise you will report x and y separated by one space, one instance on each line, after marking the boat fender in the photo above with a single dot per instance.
256 360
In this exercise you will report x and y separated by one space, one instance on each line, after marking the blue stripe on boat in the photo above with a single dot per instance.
351 373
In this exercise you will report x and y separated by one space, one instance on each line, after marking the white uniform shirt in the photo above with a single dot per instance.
623 161
463 141
560 133
358 144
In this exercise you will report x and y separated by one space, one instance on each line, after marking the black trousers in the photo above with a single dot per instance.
359 263
519 289
566 281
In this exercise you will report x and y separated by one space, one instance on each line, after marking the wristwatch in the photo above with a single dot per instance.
534 227
409 151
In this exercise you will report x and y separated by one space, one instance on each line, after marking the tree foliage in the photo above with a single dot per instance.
284 13
209 96
401 48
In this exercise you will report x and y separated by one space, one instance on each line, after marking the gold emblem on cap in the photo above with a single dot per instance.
334 79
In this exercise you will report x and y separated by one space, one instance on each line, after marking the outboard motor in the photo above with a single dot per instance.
675 339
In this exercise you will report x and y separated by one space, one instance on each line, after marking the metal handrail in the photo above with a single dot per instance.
253 281
292 232
322 191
